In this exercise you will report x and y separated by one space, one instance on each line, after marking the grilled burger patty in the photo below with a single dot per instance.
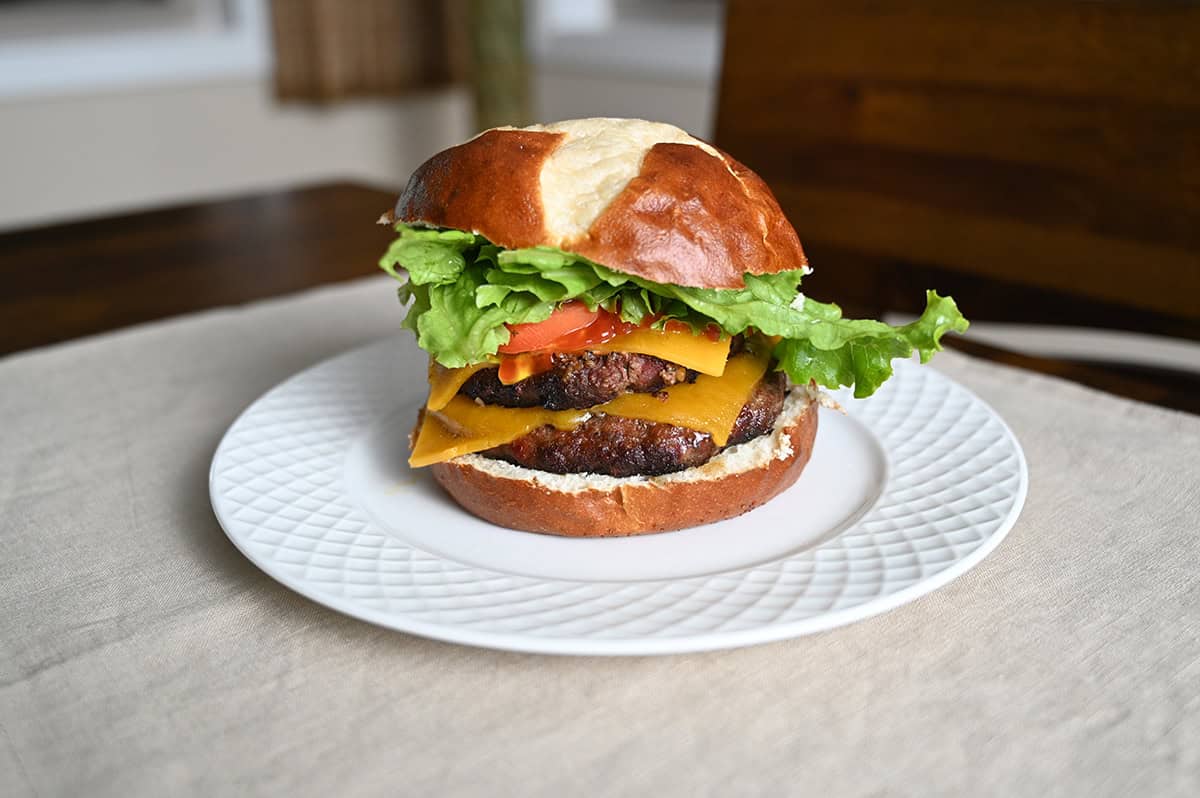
578 381
623 447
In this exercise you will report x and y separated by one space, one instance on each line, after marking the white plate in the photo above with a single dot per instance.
909 490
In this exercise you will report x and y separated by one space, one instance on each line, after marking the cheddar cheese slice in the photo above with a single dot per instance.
711 404
444 383
462 427
678 345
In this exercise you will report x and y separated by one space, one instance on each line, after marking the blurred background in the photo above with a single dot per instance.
110 105
1038 160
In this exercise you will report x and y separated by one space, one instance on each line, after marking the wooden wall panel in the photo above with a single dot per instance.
1051 145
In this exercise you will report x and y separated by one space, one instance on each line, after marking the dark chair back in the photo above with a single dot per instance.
1038 160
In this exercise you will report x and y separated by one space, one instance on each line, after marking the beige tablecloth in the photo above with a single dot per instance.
140 653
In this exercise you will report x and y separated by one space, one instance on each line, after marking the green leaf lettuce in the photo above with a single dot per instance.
464 290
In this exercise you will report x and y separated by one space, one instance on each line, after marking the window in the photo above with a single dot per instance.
61 46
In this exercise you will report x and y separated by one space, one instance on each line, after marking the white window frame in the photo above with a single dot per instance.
113 61
593 36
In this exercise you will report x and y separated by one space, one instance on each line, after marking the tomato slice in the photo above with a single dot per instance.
605 328
572 327
568 318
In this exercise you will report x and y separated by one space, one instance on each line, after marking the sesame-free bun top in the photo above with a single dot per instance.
643 198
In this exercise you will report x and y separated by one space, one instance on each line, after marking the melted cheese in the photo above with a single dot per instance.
514 368
697 352
462 427
711 405
444 383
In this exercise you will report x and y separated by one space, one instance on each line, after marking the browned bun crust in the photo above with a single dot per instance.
635 506
687 215
691 219
484 186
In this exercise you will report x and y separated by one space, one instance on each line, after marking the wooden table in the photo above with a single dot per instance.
70 280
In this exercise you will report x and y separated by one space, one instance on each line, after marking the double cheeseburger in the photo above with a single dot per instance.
617 340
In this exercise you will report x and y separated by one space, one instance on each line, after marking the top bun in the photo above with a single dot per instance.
642 198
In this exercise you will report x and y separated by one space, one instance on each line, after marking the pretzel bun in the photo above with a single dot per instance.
588 505
642 198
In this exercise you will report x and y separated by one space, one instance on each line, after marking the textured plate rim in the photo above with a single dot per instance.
630 645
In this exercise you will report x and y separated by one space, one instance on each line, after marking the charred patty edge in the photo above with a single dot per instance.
579 380
623 447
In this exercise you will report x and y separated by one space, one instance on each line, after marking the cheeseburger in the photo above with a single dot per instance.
617 339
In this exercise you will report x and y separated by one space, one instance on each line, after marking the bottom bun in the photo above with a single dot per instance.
733 482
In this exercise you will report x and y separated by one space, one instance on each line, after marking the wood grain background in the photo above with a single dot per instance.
1054 146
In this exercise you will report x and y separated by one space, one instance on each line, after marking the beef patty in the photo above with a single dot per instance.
579 380
623 447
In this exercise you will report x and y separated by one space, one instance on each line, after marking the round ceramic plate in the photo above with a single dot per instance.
904 492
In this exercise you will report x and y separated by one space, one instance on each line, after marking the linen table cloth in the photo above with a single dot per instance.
141 653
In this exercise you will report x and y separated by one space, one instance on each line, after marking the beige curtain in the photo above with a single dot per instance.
329 50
